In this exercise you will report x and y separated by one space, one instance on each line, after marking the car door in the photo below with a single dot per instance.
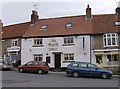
34 67
28 66
92 70
83 69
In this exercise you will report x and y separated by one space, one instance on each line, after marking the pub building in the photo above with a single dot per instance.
59 41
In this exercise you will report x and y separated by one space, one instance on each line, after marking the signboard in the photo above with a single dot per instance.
53 45
12 49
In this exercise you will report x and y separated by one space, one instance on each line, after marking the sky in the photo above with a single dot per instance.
19 11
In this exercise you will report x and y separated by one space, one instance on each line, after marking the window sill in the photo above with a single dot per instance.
111 46
68 44
37 46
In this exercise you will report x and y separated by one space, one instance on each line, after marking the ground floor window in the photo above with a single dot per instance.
38 57
99 59
113 57
69 57
48 59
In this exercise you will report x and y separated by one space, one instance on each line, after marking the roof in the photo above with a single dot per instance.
56 27
99 24
104 23
14 31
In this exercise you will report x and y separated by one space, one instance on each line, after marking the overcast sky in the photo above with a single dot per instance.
18 11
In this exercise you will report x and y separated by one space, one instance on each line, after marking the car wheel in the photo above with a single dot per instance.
21 70
104 75
39 71
75 74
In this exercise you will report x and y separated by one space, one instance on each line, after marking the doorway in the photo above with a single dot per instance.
57 57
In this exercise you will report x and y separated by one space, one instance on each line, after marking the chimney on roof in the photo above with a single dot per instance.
34 17
1 24
118 10
88 12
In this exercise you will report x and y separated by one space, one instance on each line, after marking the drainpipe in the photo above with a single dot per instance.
90 50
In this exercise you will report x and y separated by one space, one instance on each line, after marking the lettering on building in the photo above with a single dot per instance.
53 45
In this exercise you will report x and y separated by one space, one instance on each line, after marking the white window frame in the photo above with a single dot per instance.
43 27
68 40
110 37
14 43
38 57
69 56
69 25
117 23
38 42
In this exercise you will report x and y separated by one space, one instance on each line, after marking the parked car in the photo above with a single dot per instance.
35 67
4 64
77 69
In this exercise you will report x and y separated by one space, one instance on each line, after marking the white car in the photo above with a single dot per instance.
5 65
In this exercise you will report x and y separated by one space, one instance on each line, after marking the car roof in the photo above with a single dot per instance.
38 61
80 62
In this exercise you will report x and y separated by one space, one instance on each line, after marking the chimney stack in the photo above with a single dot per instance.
1 24
118 9
88 12
34 17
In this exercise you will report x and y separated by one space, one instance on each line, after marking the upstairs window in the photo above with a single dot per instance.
68 40
14 42
43 27
38 42
110 39
68 25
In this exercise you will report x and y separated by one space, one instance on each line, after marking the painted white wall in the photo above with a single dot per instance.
80 54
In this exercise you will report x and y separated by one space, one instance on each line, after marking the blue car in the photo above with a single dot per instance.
77 69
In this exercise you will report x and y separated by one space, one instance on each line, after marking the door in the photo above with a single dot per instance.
28 66
93 70
57 57
83 69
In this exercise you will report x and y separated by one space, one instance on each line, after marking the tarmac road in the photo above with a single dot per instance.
53 79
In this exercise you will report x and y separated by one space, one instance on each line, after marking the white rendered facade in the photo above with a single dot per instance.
52 47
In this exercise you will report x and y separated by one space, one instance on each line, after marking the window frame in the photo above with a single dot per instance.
69 25
69 57
43 27
38 56
14 42
38 42
108 39
68 41
117 23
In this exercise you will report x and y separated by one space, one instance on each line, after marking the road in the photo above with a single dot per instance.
53 79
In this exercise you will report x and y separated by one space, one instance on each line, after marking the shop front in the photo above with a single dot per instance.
107 57
12 54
